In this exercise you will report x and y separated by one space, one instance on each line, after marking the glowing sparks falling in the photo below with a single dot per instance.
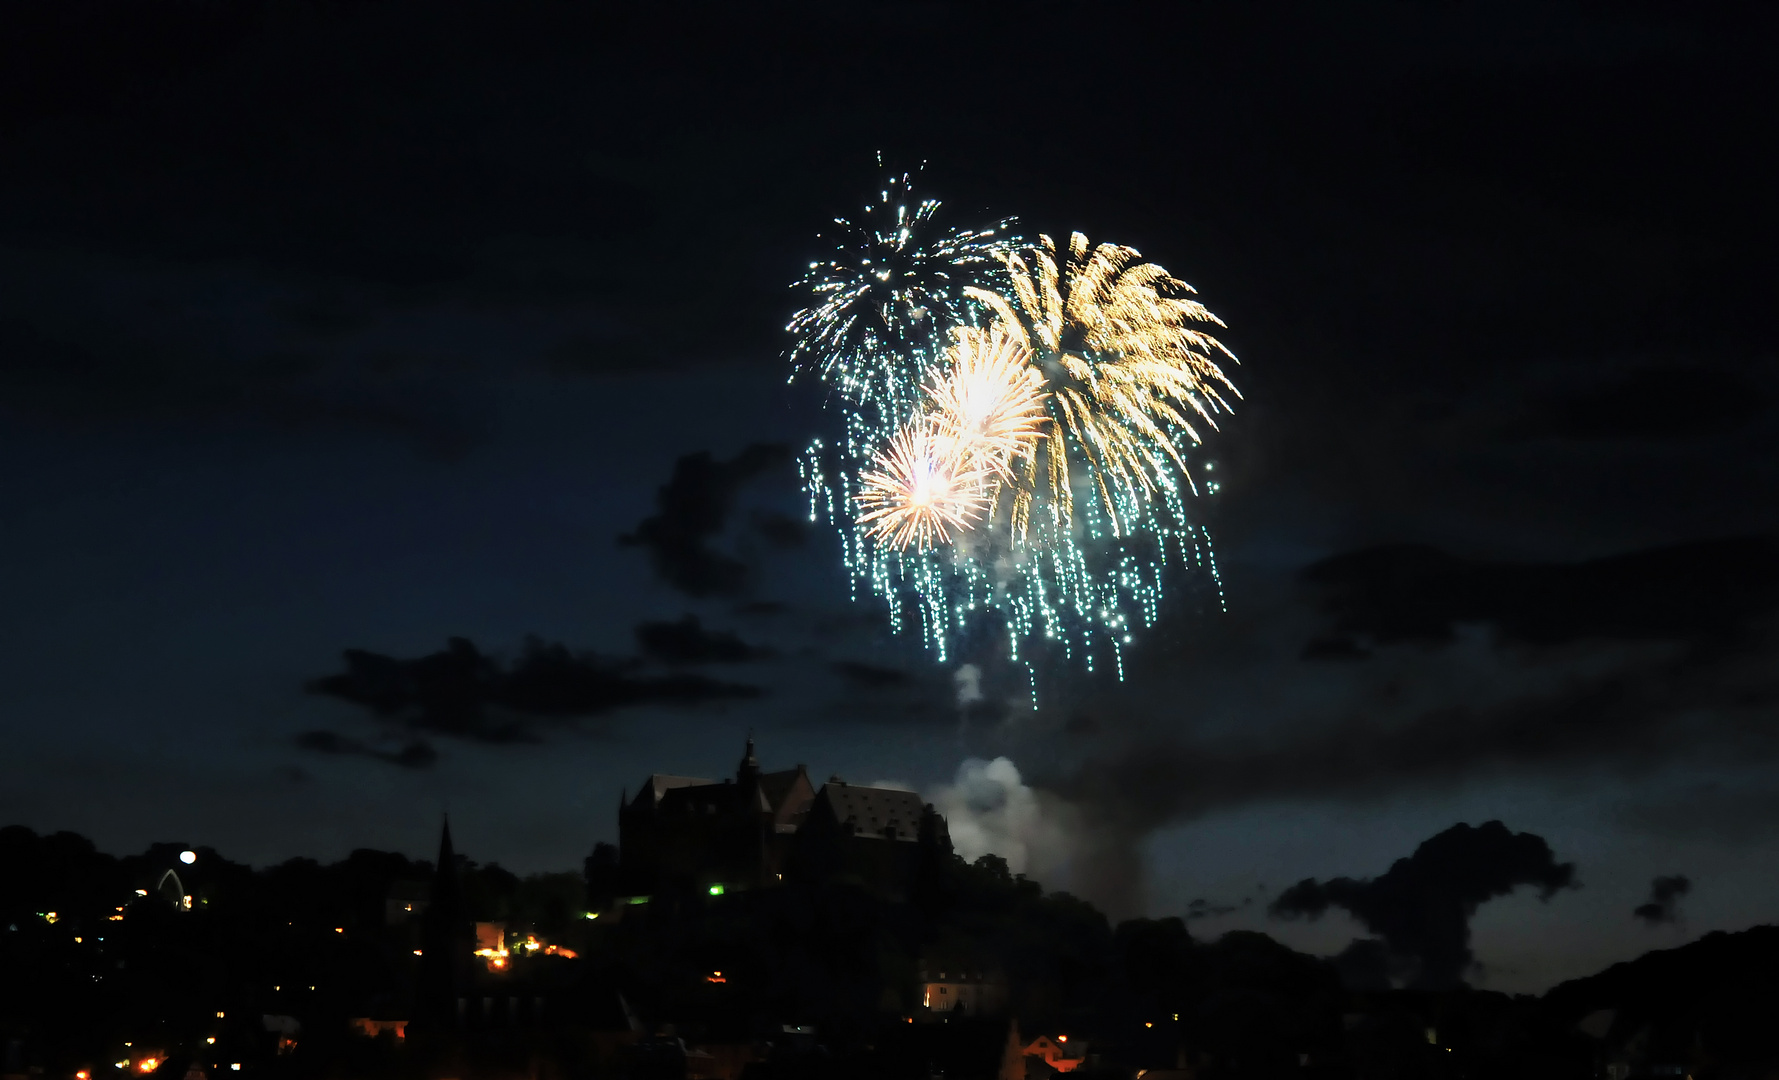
926 485
981 383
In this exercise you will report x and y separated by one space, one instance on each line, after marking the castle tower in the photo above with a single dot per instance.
749 769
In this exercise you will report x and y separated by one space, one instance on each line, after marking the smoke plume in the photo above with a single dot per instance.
992 811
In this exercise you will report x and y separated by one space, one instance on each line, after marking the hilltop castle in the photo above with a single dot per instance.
682 835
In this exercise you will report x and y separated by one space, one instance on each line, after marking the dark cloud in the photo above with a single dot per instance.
1739 812
90 374
462 693
1607 689
1705 591
1638 716
870 676
780 530
692 509
1655 403
687 642
1333 648
1664 899
1368 964
414 754
1421 906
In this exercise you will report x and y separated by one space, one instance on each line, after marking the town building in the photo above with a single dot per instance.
687 836
1058 1052
971 989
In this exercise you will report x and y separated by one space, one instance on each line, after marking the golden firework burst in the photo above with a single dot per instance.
1126 368
923 487
989 400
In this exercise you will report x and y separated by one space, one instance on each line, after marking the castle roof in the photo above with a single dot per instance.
708 798
692 794
658 785
777 785
872 811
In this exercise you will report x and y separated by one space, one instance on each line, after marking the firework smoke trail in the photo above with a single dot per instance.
960 385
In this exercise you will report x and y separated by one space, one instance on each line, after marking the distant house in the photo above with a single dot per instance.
406 900
948 987
371 1028
1060 1053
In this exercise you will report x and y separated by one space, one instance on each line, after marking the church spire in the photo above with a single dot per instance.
447 854
749 769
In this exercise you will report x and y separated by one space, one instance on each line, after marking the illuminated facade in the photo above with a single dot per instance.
971 990
1059 1053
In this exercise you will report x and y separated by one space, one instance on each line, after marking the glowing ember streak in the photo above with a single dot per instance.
921 490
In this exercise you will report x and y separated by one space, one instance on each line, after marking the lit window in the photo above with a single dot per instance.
716 890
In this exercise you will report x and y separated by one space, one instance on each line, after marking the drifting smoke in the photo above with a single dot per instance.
992 811
969 686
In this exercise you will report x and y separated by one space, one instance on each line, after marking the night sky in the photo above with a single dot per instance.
393 420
